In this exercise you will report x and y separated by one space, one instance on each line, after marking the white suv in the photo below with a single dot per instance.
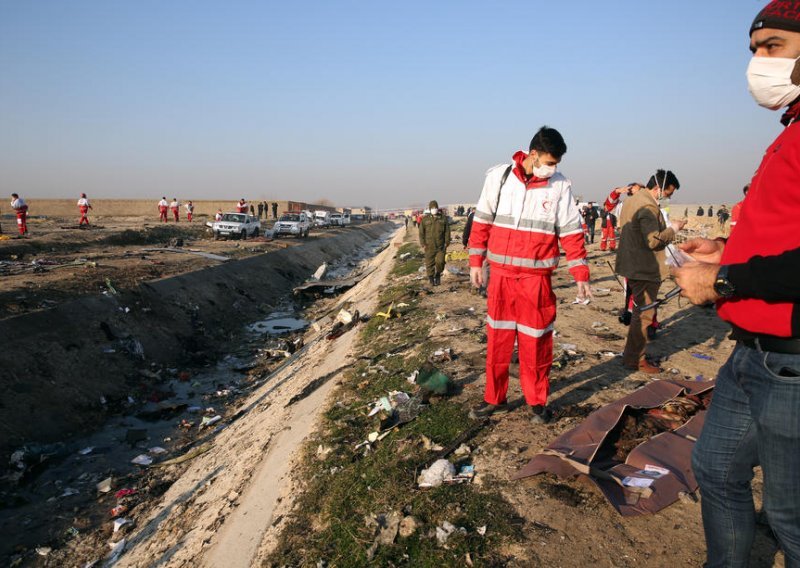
296 224
237 225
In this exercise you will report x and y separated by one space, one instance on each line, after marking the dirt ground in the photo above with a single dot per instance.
224 507
57 264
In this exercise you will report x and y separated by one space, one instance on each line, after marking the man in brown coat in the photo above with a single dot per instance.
641 259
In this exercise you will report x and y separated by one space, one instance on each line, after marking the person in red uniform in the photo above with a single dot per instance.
189 210
175 207
736 210
163 205
242 206
754 418
83 207
21 209
525 210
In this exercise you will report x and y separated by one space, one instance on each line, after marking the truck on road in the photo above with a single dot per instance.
236 225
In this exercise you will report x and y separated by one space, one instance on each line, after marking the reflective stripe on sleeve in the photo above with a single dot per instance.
480 252
579 262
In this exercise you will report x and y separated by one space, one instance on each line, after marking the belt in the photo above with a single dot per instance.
772 344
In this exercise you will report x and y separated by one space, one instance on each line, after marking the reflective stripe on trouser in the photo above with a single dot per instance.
523 309
610 237
22 222
84 219
434 262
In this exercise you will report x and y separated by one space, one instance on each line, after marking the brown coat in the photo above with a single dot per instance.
643 237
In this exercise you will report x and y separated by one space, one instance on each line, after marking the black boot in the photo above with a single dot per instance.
437 279
432 280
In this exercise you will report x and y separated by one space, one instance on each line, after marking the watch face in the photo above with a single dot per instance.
724 288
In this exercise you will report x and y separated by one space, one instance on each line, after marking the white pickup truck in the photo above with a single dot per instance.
295 224
339 219
236 225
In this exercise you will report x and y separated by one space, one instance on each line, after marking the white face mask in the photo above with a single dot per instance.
434 211
770 81
544 172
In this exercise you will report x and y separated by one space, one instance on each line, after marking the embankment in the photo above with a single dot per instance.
57 365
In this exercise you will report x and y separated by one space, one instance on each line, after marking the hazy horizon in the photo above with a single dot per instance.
379 105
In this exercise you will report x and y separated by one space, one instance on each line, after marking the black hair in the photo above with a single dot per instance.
663 179
549 141
746 188
14 195
635 183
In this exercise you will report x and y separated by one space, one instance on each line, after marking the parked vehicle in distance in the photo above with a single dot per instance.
335 219
236 225
322 218
346 219
295 224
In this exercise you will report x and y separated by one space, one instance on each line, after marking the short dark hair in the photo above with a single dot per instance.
14 195
549 141
663 178
746 188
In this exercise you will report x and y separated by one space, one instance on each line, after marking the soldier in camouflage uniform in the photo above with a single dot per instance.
434 236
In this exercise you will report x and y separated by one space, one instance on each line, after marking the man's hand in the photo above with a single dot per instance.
678 224
704 250
696 280
584 291
476 276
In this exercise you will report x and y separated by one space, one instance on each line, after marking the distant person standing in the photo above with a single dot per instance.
252 210
218 216
175 207
163 205
434 236
83 208
591 220
737 209
189 210
21 209
274 210
608 227
241 206
260 210
641 259
700 211
710 211
722 216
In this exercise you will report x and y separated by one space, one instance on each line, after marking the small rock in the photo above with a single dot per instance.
233 496
463 450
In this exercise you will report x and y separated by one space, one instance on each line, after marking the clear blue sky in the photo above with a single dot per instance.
375 103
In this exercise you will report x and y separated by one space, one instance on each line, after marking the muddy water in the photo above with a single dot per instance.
58 502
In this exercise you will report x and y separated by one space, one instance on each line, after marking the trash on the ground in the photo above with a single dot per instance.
119 523
429 445
641 482
582 301
142 459
126 492
702 356
481 530
72 532
69 491
609 354
105 485
455 271
600 326
209 420
323 452
463 450
445 530
43 550
466 473
441 316
344 317
441 355
435 475
432 380
157 450
386 526
405 256
117 549
119 510
408 526
320 272
86 451
389 313
456 255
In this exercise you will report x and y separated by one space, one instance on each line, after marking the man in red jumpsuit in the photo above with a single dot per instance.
525 210
737 209
189 211
242 206
175 206
21 209
83 207
163 205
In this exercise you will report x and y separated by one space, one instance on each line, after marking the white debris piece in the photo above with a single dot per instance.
435 475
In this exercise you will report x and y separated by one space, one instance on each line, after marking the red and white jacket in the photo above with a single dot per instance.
612 201
519 230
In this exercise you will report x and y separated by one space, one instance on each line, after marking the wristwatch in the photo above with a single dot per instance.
722 285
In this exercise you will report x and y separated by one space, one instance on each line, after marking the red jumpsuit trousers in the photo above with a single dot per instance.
162 214
609 238
84 212
521 308
175 214
22 220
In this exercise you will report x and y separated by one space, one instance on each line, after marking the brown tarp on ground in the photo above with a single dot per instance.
578 452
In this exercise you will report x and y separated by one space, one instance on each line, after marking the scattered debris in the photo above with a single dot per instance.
436 474
105 485
702 356
142 459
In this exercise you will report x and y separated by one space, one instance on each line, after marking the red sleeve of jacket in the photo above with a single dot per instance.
612 200
573 245
478 241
